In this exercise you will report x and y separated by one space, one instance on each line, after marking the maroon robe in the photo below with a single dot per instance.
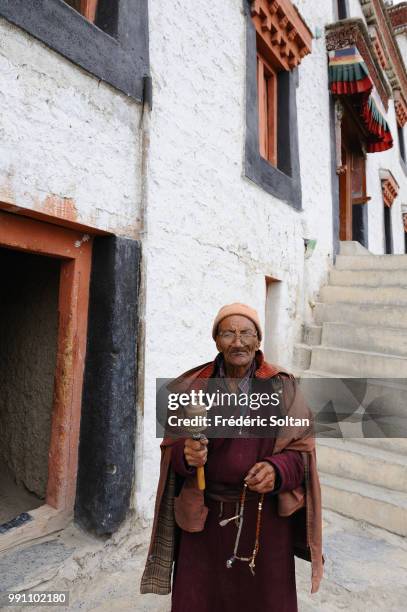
202 582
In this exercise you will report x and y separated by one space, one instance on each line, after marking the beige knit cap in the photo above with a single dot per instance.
237 309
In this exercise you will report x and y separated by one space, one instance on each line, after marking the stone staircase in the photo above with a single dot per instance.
360 330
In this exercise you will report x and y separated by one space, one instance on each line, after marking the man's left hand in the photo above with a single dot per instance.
261 477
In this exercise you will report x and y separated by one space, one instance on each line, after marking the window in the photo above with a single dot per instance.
402 144
342 9
388 231
115 51
87 8
390 189
267 94
358 178
277 40
103 13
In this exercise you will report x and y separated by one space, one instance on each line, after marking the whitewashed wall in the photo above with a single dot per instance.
71 147
213 235
402 42
355 9
69 143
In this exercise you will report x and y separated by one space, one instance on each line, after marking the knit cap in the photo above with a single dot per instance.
237 309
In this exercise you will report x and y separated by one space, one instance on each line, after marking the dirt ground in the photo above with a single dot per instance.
365 569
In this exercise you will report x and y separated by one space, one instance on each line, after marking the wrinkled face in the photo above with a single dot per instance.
237 339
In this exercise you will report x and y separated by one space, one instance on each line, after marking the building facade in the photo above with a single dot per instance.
162 161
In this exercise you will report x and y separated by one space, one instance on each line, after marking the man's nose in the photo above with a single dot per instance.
238 340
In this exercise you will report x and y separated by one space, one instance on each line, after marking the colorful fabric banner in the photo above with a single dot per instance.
349 76
348 73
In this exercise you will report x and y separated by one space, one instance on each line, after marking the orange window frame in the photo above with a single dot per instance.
87 8
267 108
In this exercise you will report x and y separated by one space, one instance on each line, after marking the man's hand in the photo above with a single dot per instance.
261 477
196 452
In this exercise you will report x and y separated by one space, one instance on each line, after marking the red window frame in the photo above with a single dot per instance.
87 8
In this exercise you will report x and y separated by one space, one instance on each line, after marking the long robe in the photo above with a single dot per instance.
202 582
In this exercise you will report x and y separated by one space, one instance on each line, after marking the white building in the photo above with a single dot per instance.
204 192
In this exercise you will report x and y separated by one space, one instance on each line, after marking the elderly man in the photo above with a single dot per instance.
233 545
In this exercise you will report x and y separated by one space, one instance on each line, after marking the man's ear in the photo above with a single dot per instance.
218 345
258 344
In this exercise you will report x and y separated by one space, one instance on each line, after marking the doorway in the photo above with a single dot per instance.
45 272
28 331
353 220
274 326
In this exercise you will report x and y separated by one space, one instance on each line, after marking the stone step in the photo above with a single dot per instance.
361 314
365 502
394 445
312 334
367 464
357 408
371 262
369 278
389 340
352 247
357 363
302 356
370 295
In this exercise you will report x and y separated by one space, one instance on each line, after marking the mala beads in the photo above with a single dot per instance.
239 519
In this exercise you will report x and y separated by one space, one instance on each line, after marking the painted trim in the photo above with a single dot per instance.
122 62
283 182
11 207
281 21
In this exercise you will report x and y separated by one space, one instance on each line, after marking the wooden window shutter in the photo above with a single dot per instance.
358 179
267 94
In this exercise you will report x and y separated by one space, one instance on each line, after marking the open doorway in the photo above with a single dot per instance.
45 273
273 325
29 335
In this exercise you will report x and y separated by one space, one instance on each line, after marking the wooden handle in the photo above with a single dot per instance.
200 475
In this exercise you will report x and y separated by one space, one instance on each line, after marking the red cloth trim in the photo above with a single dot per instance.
352 87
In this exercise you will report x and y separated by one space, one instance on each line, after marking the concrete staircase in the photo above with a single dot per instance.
360 330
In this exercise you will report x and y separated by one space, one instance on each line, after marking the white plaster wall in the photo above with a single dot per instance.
402 42
213 235
355 9
69 143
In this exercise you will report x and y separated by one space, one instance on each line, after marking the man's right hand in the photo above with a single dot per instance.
196 452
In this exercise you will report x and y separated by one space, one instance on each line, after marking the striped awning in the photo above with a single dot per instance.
349 76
